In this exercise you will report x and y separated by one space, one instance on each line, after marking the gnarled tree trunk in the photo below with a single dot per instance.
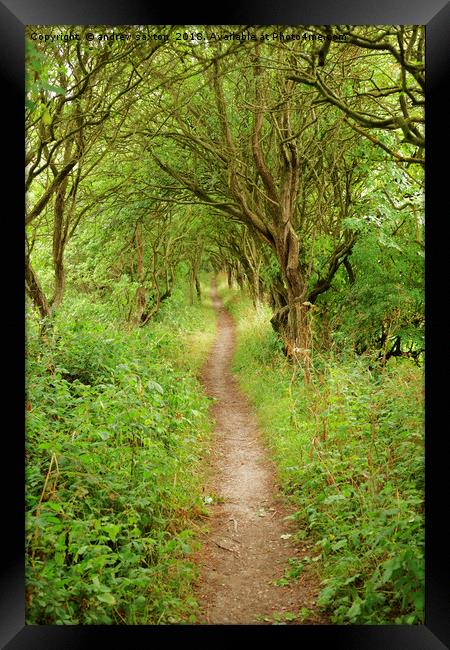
141 293
35 291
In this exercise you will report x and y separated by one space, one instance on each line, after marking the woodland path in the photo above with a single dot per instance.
244 550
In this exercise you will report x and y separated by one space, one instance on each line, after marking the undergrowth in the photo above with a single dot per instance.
116 428
350 454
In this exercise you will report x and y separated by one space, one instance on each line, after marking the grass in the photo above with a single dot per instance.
350 455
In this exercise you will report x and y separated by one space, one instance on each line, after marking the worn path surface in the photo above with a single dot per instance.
246 548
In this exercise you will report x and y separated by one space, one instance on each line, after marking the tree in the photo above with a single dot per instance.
73 94
376 78
263 156
249 155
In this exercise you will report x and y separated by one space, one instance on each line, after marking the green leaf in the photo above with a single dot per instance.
389 567
418 600
51 519
355 609
57 507
153 385
338 545
113 530
333 498
54 89
107 597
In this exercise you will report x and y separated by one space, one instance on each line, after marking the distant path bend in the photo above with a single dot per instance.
246 548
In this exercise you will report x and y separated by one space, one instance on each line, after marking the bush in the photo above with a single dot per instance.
116 427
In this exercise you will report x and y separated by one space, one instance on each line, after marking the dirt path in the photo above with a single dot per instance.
246 548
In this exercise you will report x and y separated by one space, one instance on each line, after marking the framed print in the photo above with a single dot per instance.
226 291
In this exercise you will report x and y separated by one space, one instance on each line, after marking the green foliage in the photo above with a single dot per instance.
385 303
116 423
149 164
349 450
39 83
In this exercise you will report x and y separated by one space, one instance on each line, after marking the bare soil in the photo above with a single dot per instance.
246 548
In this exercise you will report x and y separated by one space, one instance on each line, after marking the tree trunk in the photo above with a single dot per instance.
255 293
61 230
291 321
35 291
349 269
141 294
198 288
59 242
191 286
194 284
60 281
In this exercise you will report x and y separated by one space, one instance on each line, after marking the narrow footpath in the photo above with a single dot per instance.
248 544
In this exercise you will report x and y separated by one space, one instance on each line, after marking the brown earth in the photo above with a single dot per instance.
247 546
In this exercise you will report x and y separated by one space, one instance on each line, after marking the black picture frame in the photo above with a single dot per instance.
14 15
